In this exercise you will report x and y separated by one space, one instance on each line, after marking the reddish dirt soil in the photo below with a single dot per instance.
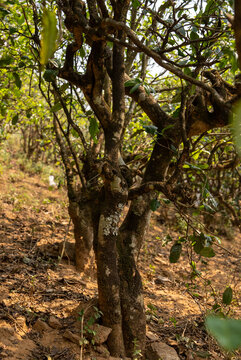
35 285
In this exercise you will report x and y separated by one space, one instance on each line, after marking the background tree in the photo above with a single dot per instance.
105 70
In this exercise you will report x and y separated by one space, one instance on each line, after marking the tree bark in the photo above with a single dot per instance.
106 255
81 216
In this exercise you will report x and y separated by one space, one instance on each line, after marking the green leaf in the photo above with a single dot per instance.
187 71
190 166
134 88
74 133
89 112
207 251
6 60
63 87
132 82
135 4
194 35
17 79
50 75
210 6
21 64
4 12
56 107
150 129
28 113
175 252
198 243
181 31
154 204
228 296
176 113
82 52
167 128
174 149
48 36
15 119
226 331
177 97
201 245
93 128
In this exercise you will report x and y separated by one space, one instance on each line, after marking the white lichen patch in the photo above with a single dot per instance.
139 205
140 300
97 100
115 184
120 206
110 225
133 242
115 291
107 272
116 136
141 97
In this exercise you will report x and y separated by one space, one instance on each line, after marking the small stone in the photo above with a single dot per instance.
102 350
54 323
74 338
152 336
161 280
69 250
21 321
41 326
102 333
159 350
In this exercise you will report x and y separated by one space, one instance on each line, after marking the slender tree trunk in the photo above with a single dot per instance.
131 292
81 215
106 255
132 234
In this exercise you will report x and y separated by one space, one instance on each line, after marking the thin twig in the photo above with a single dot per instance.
64 242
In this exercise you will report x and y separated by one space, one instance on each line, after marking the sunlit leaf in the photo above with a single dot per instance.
135 4
207 251
56 107
93 128
48 36
226 331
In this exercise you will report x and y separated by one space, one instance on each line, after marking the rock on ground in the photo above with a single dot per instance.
159 350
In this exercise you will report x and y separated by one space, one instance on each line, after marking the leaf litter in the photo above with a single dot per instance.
35 287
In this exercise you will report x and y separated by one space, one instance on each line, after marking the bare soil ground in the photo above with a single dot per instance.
35 286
